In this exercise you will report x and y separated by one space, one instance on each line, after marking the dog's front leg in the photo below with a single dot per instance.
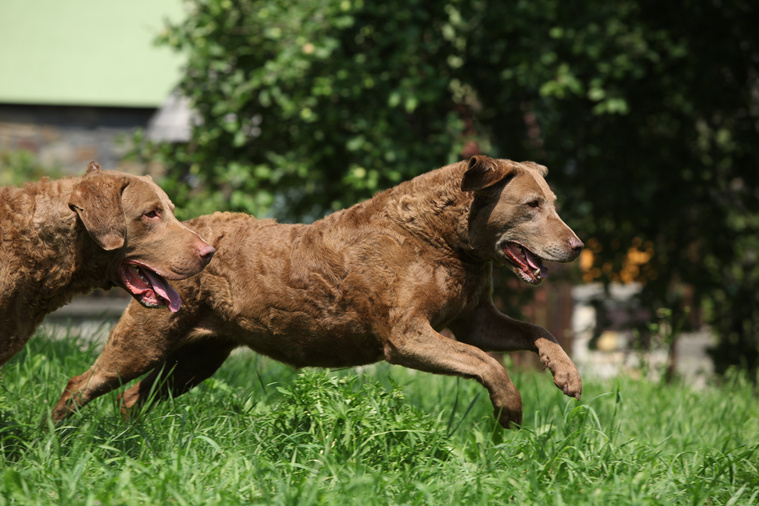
490 330
417 345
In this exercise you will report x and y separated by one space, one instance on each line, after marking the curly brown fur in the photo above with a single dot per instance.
377 281
69 236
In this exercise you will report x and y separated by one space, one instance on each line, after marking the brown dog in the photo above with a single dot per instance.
69 236
375 281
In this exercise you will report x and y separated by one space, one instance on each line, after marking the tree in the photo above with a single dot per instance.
306 107
650 112
645 113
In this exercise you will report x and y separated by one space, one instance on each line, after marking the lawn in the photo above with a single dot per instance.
260 432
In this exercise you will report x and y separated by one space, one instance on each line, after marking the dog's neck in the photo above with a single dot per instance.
432 206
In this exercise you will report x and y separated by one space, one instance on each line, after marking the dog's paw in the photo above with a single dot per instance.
508 418
565 374
568 380
507 409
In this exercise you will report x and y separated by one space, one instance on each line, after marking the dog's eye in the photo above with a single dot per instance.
151 214
534 203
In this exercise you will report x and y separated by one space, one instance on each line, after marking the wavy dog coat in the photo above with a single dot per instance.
66 237
373 282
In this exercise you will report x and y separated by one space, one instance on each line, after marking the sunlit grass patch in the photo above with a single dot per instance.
259 431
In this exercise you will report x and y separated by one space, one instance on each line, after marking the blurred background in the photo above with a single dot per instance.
646 113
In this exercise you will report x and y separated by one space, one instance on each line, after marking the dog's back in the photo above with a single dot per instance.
324 294
291 291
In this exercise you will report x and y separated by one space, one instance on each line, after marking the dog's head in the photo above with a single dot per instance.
513 218
132 220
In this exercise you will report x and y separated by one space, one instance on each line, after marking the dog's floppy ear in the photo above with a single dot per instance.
484 172
97 201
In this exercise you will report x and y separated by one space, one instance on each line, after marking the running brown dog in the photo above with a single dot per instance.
69 236
372 282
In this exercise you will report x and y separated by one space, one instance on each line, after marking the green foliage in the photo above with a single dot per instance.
260 432
321 412
645 113
649 114
301 104
19 166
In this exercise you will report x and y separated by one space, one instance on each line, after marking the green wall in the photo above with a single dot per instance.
86 52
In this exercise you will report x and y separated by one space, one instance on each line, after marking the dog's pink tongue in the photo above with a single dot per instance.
535 263
164 290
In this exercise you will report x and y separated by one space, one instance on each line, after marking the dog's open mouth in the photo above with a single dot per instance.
527 265
148 287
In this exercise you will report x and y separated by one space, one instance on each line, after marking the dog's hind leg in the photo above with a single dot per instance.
418 346
185 368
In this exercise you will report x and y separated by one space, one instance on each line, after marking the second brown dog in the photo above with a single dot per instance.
66 237
374 282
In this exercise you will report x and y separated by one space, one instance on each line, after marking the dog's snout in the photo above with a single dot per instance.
576 244
206 253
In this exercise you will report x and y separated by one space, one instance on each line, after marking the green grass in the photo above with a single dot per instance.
260 432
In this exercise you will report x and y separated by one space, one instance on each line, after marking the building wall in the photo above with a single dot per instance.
87 52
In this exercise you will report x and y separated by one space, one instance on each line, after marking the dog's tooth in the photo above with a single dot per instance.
140 274
537 273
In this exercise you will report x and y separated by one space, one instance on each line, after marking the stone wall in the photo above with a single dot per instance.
68 137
